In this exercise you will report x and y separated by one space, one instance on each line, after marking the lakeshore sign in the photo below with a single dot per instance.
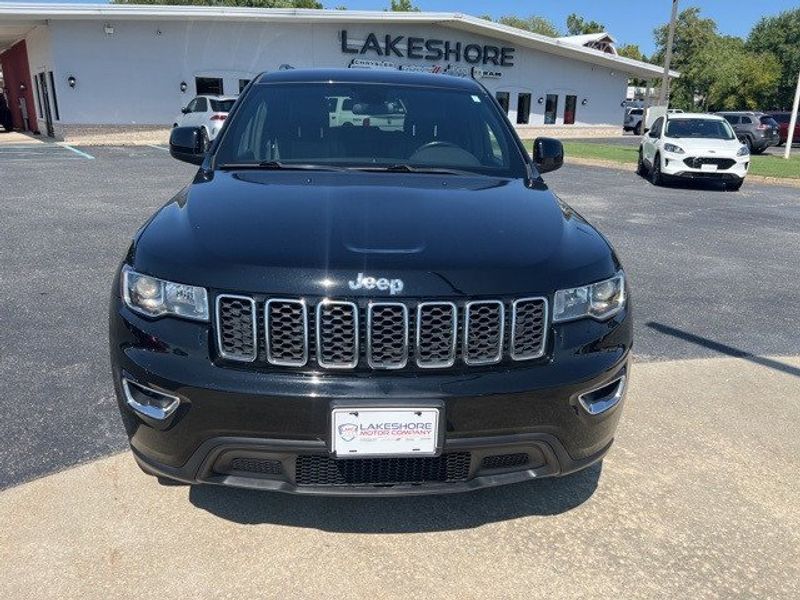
417 48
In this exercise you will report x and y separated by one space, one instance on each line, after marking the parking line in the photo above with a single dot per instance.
158 147
76 151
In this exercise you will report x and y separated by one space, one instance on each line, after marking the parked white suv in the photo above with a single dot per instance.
693 146
206 112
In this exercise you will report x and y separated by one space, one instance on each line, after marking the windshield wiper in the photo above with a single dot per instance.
405 168
276 165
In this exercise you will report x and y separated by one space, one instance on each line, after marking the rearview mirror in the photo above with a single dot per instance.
185 110
548 154
185 143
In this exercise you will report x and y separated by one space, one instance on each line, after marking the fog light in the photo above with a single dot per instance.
149 402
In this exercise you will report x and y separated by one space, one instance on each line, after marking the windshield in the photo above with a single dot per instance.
371 125
222 105
699 128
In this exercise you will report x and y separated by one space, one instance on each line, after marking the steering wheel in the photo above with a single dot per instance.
436 144
448 154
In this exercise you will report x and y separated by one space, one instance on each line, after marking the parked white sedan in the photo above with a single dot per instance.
206 112
693 146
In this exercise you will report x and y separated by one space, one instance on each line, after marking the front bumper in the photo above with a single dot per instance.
674 165
259 429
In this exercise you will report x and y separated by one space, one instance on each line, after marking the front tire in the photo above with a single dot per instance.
656 178
638 129
641 170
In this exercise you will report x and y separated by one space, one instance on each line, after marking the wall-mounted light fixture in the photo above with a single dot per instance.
540 100
108 29
184 86
71 81
584 102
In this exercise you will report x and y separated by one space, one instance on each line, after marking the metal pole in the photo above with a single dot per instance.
664 93
792 121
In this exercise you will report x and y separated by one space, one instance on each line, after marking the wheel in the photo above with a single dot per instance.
641 170
203 141
759 151
656 178
734 186
638 129
749 143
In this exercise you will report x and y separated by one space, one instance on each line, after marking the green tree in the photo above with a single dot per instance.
403 6
729 77
631 51
533 24
692 34
780 36
577 25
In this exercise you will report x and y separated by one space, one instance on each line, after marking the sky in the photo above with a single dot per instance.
629 21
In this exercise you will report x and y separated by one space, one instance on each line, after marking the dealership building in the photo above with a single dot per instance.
70 70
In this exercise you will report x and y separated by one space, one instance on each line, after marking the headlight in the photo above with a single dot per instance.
673 148
743 151
155 297
599 300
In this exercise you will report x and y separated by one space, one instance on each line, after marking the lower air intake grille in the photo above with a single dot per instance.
327 471
256 465
505 461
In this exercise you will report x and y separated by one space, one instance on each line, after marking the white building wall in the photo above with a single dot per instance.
133 76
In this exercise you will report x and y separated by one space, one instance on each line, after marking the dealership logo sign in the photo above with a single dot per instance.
348 431
418 48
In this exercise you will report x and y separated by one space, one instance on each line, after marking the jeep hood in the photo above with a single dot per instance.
310 233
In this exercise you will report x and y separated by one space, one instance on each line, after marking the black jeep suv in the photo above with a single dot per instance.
385 299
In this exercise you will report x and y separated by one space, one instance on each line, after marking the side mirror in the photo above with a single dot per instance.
185 143
185 110
548 154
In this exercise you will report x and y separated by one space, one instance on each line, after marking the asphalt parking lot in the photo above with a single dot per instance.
697 499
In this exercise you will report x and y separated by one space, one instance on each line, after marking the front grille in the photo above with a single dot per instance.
695 162
387 335
236 328
393 335
337 334
287 332
437 329
318 470
483 332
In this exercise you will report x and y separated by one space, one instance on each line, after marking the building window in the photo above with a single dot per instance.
505 100
55 98
570 106
211 86
523 109
243 84
550 109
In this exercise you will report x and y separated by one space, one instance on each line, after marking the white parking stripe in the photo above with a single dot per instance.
76 151
157 147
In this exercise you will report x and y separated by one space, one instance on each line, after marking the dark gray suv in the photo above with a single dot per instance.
756 130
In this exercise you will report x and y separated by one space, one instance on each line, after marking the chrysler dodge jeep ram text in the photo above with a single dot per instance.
364 308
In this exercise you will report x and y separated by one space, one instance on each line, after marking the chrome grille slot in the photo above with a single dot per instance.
528 328
286 324
437 328
236 328
484 323
387 335
337 334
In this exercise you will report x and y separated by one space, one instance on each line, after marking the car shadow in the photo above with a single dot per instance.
408 514
689 184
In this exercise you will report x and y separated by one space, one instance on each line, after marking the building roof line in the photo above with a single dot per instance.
453 20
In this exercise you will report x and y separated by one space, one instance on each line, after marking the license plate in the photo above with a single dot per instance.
384 431
708 167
